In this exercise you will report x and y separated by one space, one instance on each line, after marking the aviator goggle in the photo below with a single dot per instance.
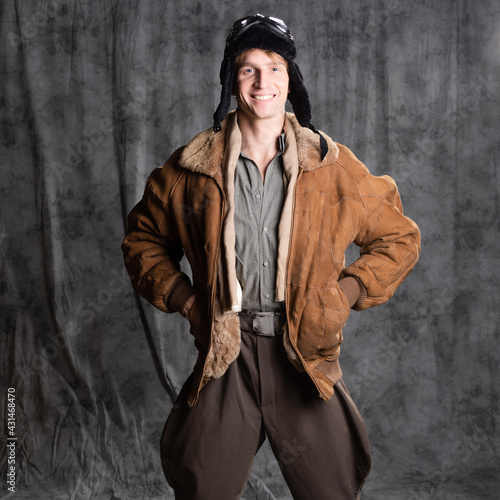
243 24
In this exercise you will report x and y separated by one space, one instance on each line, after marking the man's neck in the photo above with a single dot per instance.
260 140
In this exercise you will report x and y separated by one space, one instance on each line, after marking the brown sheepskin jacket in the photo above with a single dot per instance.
334 202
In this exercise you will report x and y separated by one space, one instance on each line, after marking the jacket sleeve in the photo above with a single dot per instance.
151 248
389 242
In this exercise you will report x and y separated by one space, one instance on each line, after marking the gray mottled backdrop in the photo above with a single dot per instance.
95 94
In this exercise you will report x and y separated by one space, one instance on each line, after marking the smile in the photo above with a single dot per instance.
263 97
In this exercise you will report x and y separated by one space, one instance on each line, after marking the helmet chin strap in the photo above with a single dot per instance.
322 142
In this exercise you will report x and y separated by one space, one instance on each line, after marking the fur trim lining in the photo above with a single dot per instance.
225 342
204 153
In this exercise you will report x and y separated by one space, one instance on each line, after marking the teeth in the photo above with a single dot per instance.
263 97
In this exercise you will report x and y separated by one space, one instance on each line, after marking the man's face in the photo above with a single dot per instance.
261 84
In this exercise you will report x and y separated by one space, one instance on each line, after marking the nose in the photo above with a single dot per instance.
261 80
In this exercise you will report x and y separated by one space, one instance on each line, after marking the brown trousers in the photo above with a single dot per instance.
322 447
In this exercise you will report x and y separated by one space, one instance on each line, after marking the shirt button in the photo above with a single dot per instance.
265 229
266 263
257 196
267 295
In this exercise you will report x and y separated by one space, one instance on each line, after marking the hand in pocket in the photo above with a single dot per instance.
198 319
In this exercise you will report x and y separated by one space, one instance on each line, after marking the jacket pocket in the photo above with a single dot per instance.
324 313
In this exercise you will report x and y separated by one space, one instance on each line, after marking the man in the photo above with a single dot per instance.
264 207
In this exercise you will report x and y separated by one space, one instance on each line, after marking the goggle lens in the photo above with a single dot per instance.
274 23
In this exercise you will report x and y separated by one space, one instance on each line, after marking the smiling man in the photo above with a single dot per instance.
263 206
262 85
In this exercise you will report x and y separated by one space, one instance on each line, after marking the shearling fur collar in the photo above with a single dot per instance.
205 152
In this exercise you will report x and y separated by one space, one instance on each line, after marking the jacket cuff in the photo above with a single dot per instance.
179 296
353 290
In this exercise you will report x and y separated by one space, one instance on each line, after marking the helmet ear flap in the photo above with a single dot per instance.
299 99
298 96
227 81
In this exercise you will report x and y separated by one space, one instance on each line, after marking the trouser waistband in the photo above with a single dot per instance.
267 324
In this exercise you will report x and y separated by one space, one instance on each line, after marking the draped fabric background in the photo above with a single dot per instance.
94 95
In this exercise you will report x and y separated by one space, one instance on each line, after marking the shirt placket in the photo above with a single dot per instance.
265 257
259 216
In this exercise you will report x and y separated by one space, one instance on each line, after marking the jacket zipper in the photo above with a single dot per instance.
321 393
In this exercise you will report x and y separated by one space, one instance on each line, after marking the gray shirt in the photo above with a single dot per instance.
258 209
